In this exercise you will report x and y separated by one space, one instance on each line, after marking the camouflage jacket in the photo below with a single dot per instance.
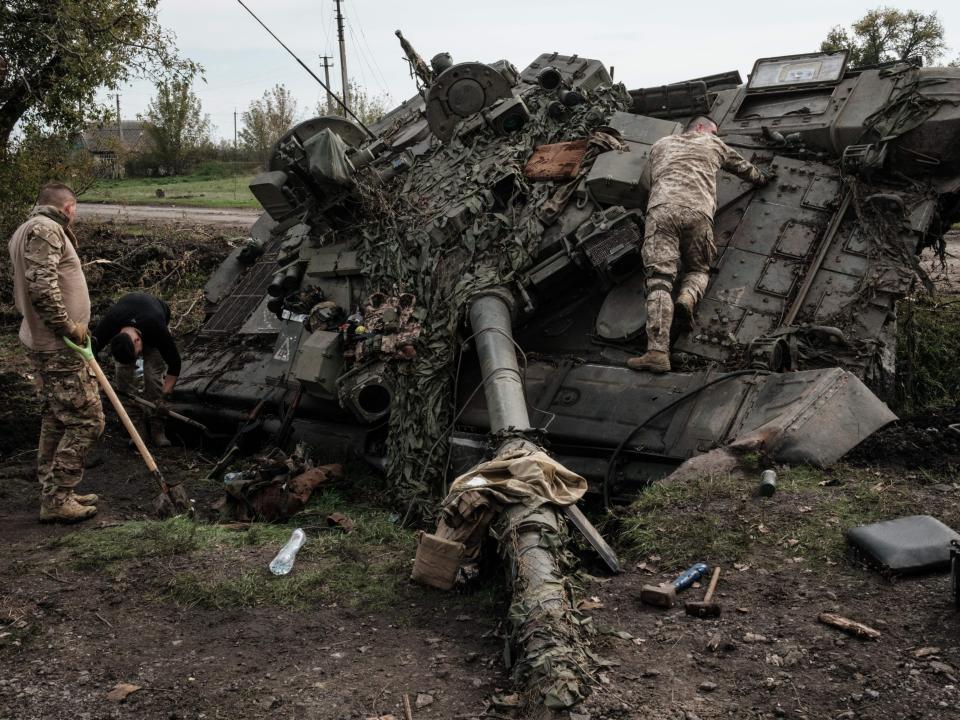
49 288
683 171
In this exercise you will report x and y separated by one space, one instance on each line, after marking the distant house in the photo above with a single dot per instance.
111 145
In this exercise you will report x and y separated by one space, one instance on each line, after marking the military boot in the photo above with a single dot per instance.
88 499
683 311
158 434
653 360
63 507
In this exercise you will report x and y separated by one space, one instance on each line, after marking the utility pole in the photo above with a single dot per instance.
343 58
325 59
234 130
119 125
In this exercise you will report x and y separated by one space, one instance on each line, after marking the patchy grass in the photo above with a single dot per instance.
197 190
722 520
367 567
928 344
137 540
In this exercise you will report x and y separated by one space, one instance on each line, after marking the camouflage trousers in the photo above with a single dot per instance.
674 237
72 418
154 368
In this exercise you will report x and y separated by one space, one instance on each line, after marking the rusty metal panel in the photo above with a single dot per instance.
559 161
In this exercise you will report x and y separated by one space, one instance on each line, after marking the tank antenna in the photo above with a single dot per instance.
312 74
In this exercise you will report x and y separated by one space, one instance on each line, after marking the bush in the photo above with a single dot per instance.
928 345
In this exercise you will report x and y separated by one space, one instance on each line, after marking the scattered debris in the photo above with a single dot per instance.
341 521
121 691
275 487
848 626
926 651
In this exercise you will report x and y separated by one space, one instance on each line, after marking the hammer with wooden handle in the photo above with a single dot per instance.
705 608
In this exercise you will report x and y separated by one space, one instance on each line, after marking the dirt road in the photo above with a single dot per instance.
168 213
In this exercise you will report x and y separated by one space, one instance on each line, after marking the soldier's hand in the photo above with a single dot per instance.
78 333
162 406
767 176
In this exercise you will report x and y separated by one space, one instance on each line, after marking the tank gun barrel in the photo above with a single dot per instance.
417 63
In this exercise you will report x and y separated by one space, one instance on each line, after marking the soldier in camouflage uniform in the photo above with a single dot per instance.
679 228
50 291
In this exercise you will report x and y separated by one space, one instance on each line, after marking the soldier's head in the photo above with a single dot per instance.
702 124
61 196
126 346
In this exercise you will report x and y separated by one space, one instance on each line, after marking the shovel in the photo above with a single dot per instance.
173 499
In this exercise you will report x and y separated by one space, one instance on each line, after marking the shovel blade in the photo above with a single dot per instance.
173 502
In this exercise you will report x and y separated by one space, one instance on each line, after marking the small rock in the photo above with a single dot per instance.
423 700
754 638
579 716
871 693
925 651
652 672
940 667
707 686
476 682
846 715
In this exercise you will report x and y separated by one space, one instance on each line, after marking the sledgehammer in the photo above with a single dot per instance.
665 594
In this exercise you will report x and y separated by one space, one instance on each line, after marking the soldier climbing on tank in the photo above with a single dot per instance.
136 326
679 228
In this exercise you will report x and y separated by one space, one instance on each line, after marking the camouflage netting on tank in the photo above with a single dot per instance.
463 219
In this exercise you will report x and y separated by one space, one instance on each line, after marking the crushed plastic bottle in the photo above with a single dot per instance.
283 562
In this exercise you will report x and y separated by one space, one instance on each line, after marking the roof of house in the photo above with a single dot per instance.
104 138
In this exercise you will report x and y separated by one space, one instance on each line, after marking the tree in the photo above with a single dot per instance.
176 124
369 108
57 53
266 120
886 34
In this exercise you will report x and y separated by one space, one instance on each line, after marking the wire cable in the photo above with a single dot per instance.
611 463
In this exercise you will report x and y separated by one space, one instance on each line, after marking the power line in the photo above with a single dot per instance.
385 86
312 74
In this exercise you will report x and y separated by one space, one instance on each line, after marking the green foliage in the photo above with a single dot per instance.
886 34
266 120
176 125
369 108
58 53
35 159
928 345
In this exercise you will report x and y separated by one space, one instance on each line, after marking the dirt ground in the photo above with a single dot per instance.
191 616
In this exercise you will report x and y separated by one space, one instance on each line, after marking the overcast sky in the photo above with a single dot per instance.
652 45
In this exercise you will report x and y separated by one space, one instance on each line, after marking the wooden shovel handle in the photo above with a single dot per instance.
124 418
712 586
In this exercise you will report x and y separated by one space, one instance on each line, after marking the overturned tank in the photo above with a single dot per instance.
452 293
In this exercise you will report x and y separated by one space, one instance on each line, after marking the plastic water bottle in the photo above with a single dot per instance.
283 562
